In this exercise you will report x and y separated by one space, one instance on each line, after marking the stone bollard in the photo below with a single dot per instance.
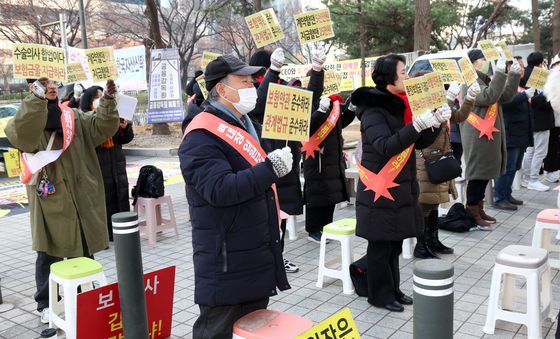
433 299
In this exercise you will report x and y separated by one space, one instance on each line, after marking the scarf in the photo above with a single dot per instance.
53 116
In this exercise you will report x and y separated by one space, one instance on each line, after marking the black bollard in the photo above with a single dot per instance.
433 299
130 275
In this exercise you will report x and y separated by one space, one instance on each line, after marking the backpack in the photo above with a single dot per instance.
358 274
149 183
457 219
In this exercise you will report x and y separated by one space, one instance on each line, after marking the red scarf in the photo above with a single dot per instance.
407 111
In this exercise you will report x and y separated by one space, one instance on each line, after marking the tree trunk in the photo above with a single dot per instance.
258 5
422 25
536 27
484 29
155 34
362 42
556 28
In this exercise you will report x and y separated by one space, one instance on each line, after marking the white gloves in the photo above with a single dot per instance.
277 59
282 161
473 91
530 92
501 65
424 121
324 104
351 107
38 89
453 91
515 68
443 113
318 59
78 90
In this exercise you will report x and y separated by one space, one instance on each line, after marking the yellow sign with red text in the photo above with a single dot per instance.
264 27
101 62
489 50
339 325
314 26
538 78
37 61
207 57
425 92
448 69
468 71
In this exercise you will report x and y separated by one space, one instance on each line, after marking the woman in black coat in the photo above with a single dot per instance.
112 161
385 222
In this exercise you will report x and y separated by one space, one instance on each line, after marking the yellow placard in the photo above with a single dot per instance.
339 325
332 83
11 160
314 26
287 113
425 92
206 58
76 73
505 49
101 62
202 84
448 69
289 72
489 50
264 27
538 78
468 71
37 61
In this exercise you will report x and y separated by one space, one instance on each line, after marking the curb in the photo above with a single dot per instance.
151 152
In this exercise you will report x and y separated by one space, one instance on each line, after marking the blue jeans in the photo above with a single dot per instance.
504 182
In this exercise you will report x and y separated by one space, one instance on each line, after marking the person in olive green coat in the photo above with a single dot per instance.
71 222
486 159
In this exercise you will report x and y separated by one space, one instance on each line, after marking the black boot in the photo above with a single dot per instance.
432 237
421 250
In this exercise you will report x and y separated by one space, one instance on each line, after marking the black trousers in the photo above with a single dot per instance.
457 150
283 229
383 273
217 321
552 161
476 190
317 217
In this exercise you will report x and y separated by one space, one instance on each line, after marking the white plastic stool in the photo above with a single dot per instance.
342 230
291 227
70 274
548 222
532 264
408 248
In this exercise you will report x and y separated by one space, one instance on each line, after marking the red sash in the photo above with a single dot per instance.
237 138
485 125
32 163
319 136
381 182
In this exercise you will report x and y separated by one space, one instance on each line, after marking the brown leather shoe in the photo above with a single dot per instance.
474 211
483 214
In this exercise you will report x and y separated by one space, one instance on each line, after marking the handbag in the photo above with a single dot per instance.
444 169
358 274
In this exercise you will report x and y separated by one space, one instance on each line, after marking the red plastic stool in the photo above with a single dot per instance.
270 324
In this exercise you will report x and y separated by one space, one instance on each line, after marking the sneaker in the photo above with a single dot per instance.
45 316
552 177
538 186
524 183
316 237
505 205
290 267
484 228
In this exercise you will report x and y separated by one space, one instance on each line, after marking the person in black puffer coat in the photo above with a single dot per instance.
112 161
385 223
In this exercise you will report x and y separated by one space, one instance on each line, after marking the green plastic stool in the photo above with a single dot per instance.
341 227
76 268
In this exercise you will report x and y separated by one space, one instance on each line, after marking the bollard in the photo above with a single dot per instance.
130 275
433 299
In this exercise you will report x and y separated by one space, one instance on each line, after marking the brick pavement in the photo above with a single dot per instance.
473 259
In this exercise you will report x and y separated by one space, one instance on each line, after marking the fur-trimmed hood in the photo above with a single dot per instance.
552 89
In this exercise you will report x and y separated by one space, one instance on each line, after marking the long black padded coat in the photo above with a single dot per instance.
385 135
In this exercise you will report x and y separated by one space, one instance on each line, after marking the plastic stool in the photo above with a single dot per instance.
154 223
548 221
70 274
270 324
342 230
291 227
531 263
408 248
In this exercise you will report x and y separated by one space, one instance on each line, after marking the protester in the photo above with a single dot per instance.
551 163
432 195
387 133
479 149
235 230
519 136
190 85
66 199
91 98
261 59
543 122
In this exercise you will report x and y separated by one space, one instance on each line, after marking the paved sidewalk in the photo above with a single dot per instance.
473 259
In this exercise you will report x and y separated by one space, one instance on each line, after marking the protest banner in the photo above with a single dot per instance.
76 73
165 103
505 50
264 27
314 26
331 83
206 58
489 50
36 61
339 325
448 69
538 78
11 160
287 113
131 65
78 56
101 62
468 71
99 314
425 92
202 84
289 72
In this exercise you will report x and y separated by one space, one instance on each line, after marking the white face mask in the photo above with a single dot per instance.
95 103
247 99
